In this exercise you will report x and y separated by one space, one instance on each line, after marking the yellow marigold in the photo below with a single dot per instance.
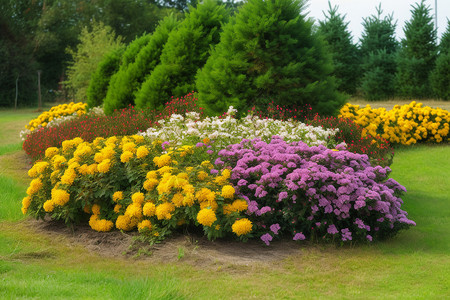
206 217
25 204
91 169
104 166
228 191
83 150
189 169
96 209
87 209
226 173
150 184
205 194
134 210
149 209
35 186
51 151
49 206
183 175
125 223
206 141
152 174
60 197
108 152
100 225
117 196
130 146
202 175
126 156
228 209
117 208
68 177
57 161
240 205
138 198
211 204
145 224
138 138
96 142
220 180
188 199
207 164
164 170
164 211
242 227
37 169
189 188
142 152
177 199
163 160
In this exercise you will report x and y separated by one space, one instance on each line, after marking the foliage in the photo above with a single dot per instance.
111 102
345 54
406 124
186 51
268 51
314 192
440 76
95 42
418 54
98 85
378 50
128 80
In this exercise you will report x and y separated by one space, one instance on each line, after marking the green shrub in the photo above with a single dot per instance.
268 51
186 51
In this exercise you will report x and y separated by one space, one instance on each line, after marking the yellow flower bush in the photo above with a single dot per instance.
129 183
406 124
56 112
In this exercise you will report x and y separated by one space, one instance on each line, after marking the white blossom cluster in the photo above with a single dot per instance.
180 130
95 111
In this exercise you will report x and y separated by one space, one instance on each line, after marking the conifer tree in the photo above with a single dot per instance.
378 51
130 77
345 54
98 85
418 54
185 52
268 52
111 102
440 76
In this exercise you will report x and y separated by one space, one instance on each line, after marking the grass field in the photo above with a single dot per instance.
42 264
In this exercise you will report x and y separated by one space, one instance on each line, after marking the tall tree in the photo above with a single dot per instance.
378 51
418 54
268 51
440 76
345 54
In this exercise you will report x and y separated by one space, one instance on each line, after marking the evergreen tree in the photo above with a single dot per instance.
344 52
440 76
130 77
94 44
268 52
111 102
378 51
418 54
98 85
184 54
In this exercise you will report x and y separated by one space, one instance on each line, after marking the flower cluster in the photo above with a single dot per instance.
227 130
315 192
406 124
130 183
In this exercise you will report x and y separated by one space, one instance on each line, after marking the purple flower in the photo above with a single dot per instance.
298 237
332 229
198 145
282 195
369 237
266 238
274 228
359 204
163 145
242 182
214 171
346 234
210 151
264 210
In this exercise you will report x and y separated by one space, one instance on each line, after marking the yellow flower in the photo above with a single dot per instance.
96 209
101 225
68 177
207 164
145 224
35 186
151 174
242 227
104 166
149 209
206 217
51 151
117 208
150 184
49 206
60 197
92 169
164 211
125 223
205 194
57 161
25 204
126 156
228 191
240 205
131 147
226 173
87 209
177 199
206 141
138 198
117 196
134 210
202 175
142 152
188 199
163 160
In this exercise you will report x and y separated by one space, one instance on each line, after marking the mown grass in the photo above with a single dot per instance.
414 264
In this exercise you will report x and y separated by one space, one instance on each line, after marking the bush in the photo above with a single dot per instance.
314 192
406 124
268 51
440 77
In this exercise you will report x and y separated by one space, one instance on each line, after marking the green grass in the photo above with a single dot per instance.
413 265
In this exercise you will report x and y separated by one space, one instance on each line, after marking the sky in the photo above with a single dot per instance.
356 10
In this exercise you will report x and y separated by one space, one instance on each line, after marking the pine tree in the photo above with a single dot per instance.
378 51
268 52
345 53
185 52
418 54
98 85
440 76
110 102
129 78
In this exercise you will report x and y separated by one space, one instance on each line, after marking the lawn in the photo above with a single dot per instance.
43 263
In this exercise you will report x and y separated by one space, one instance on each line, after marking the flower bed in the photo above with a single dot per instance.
406 124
